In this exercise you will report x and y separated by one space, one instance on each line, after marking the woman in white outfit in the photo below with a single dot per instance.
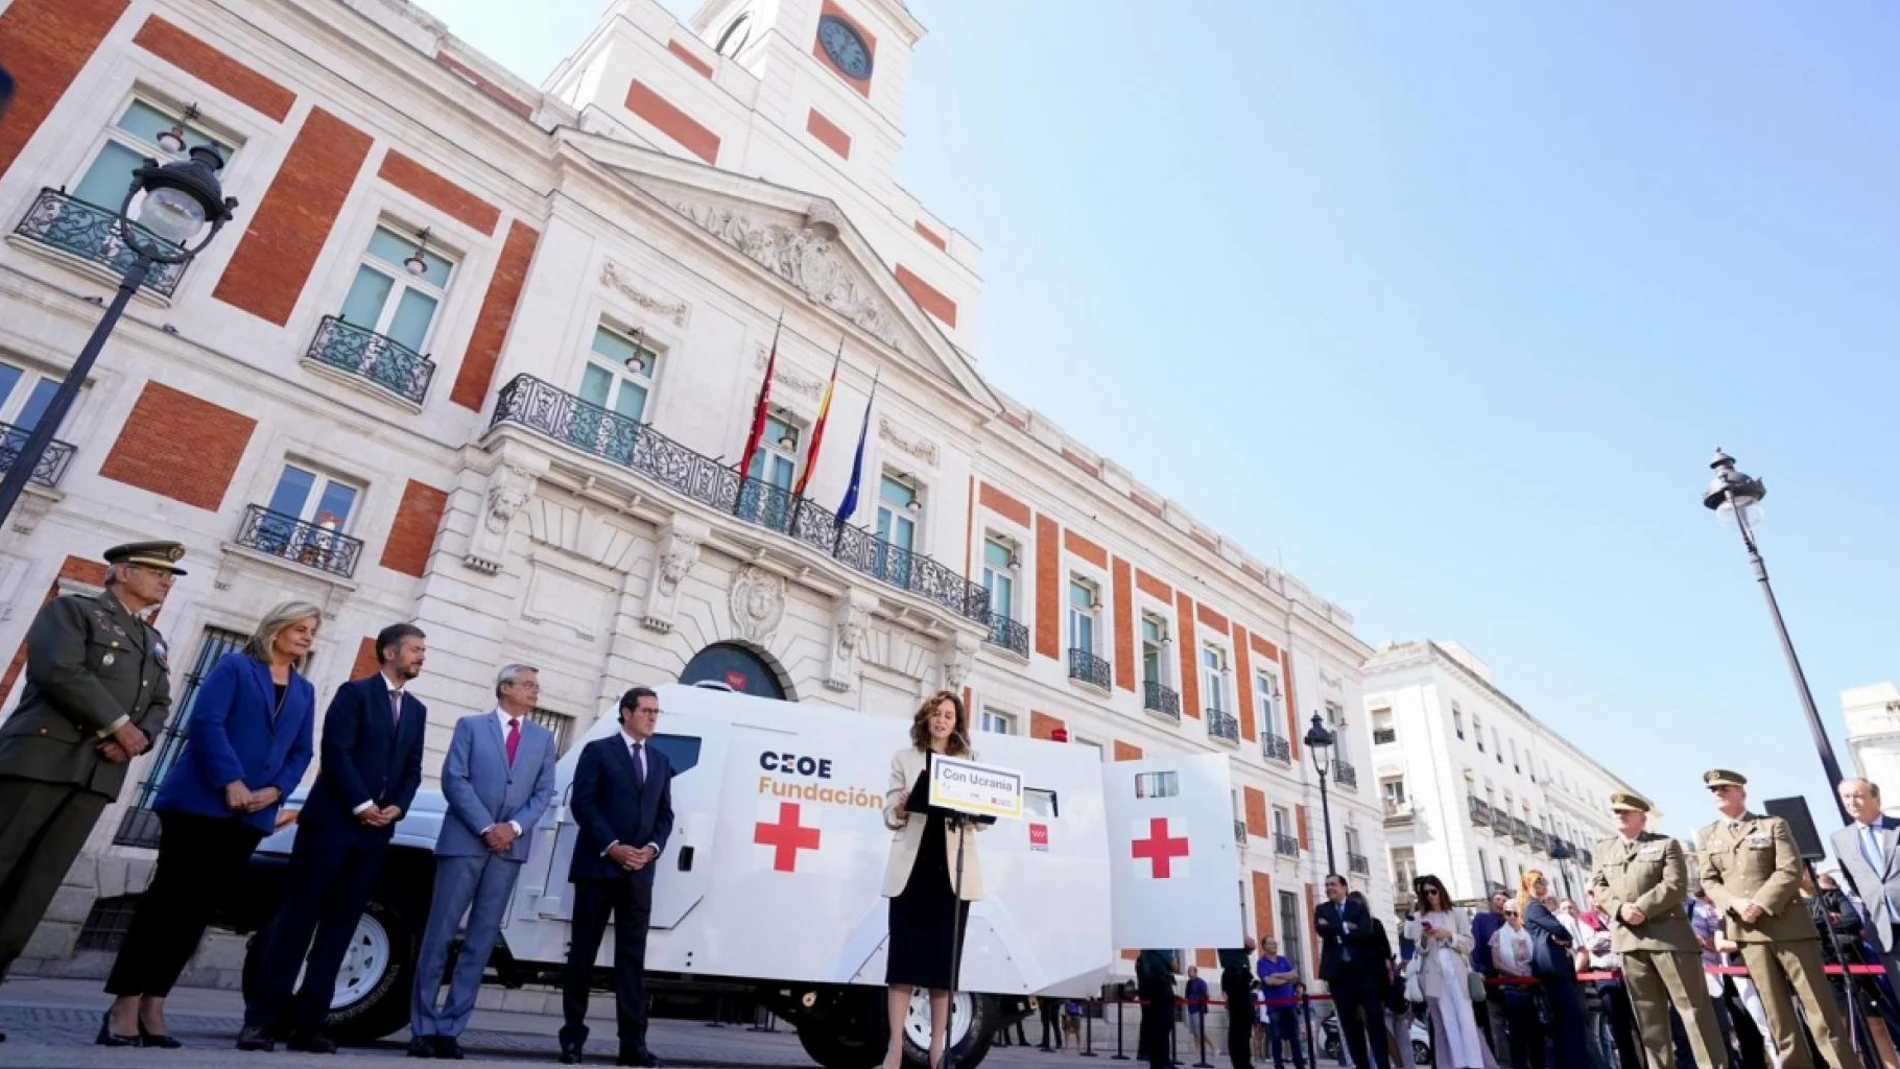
1443 937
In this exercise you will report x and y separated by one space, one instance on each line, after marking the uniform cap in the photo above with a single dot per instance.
1722 777
1626 802
163 556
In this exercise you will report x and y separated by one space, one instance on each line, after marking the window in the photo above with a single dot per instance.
1457 720
1496 748
1504 873
1383 729
314 498
1153 639
1352 839
619 378
1393 791
560 725
1157 784
1477 728
1269 691
898 508
998 723
139 825
1214 677
388 298
1484 865
1404 867
1282 821
24 396
1291 944
999 576
126 145
1082 607
1514 765
1335 716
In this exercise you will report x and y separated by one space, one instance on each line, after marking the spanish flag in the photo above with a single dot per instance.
818 428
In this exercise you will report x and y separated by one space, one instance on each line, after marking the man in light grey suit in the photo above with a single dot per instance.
498 779
1867 850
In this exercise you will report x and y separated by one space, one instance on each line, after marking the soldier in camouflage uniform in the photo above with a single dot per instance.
97 693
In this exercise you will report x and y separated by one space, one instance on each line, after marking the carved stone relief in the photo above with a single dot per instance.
915 446
806 257
790 377
959 656
677 553
616 278
757 601
510 486
849 621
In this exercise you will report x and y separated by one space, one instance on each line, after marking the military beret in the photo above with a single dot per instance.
1628 802
163 556
1722 777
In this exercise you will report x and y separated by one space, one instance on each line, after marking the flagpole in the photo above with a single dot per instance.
818 428
757 433
850 503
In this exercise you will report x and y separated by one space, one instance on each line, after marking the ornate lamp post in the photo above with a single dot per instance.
1319 742
180 198
1735 495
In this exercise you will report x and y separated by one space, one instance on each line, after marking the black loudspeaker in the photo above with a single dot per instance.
1795 812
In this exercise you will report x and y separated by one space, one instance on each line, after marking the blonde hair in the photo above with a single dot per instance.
1524 885
264 639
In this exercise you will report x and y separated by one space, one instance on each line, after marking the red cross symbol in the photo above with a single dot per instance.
786 838
1159 849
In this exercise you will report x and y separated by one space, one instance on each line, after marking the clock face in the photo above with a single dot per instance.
844 47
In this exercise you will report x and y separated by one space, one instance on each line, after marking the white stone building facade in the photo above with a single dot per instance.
1473 787
528 442
1873 737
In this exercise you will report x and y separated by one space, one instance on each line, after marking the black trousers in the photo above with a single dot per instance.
1240 1022
44 827
197 860
1051 1015
332 876
630 904
1361 1021
1157 1027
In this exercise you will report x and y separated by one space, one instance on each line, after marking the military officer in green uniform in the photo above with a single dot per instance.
97 694
1752 872
1641 880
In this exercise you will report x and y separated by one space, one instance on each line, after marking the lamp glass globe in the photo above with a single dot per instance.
171 214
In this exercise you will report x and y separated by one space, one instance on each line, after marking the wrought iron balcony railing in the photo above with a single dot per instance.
282 535
1008 634
529 402
1275 748
1358 864
1521 829
368 355
1540 841
1286 845
1223 726
1345 775
59 220
1480 812
1158 699
1085 667
1561 850
1398 809
1240 832
1381 736
1501 820
52 465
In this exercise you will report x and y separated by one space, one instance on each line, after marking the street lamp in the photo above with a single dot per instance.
1735 495
180 198
1319 742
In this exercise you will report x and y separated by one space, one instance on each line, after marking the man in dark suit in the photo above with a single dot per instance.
1154 985
1352 961
622 801
371 767
98 690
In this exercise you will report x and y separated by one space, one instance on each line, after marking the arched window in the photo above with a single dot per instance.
736 667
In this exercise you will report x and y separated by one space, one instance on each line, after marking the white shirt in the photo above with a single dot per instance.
395 702
1511 950
636 749
504 717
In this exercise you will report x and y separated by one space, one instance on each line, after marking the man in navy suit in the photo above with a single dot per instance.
371 767
622 800
498 779
1352 961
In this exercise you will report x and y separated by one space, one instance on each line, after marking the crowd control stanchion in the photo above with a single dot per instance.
1306 1025
1119 1003
1088 1027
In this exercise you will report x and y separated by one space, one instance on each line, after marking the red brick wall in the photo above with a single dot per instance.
671 121
1262 906
1123 751
1049 586
1243 685
1299 817
1004 505
178 47
1153 587
180 447
828 133
74 570
1293 732
44 44
1211 619
932 237
438 192
412 535
476 377
1085 549
1312 934
292 223
927 296
1124 627
495 92
686 56
1190 655
1042 725
1254 801
366 664
1205 958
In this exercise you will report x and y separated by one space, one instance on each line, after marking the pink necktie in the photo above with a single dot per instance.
514 739
395 709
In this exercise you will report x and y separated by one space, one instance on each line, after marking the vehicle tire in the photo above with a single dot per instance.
1421 1052
1331 1046
834 1051
377 977
973 1020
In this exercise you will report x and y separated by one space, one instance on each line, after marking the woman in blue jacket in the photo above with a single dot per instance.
247 744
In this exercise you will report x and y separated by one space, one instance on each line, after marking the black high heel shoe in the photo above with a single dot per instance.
153 1039
107 1039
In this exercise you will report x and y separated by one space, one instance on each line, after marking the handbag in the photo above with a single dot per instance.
1474 982
1412 991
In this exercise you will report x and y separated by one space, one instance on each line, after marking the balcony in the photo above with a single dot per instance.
1008 634
1398 811
1223 727
1540 841
535 405
367 355
1357 864
69 225
1501 820
1480 812
1275 748
1240 833
1521 829
1345 775
1160 700
308 544
52 465
1085 667
1585 857
1382 736
1286 845
1561 850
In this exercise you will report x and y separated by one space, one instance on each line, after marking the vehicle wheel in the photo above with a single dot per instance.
835 1051
1331 1046
973 1020
374 984
1421 1052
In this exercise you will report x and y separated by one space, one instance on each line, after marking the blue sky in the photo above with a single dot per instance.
1447 307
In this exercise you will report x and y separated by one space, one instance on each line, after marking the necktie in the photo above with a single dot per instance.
395 710
514 739
1870 846
640 762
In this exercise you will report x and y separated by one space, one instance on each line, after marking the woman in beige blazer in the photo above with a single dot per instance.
919 875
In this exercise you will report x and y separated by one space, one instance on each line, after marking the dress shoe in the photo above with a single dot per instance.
447 1048
154 1039
311 1042
570 1053
639 1056
107 1039
421 1047
256 1037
